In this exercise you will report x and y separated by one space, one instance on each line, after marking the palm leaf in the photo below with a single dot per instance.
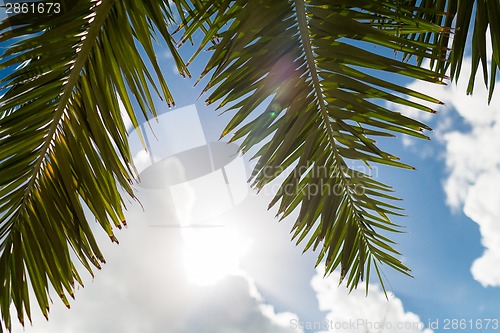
63 141
311 59
464 18
64 145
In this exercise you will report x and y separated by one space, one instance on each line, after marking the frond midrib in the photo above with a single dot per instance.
311 64
101 14
309 55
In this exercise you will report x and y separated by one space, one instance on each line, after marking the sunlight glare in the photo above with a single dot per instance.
210 254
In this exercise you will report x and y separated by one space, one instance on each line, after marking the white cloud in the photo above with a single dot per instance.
356 312
143 289
482 206
472 161
241 310
469 155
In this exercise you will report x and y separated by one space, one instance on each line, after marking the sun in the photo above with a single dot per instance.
210 254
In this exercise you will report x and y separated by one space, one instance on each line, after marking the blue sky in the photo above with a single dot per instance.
452 205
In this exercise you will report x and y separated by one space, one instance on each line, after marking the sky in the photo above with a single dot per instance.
206 255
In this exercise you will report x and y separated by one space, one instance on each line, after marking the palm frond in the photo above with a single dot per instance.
63 141
462 19
311 59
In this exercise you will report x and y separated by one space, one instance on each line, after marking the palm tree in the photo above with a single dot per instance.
64 144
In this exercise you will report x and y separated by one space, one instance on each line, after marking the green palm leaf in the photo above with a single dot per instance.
325 66
63 141
466 18
310 58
